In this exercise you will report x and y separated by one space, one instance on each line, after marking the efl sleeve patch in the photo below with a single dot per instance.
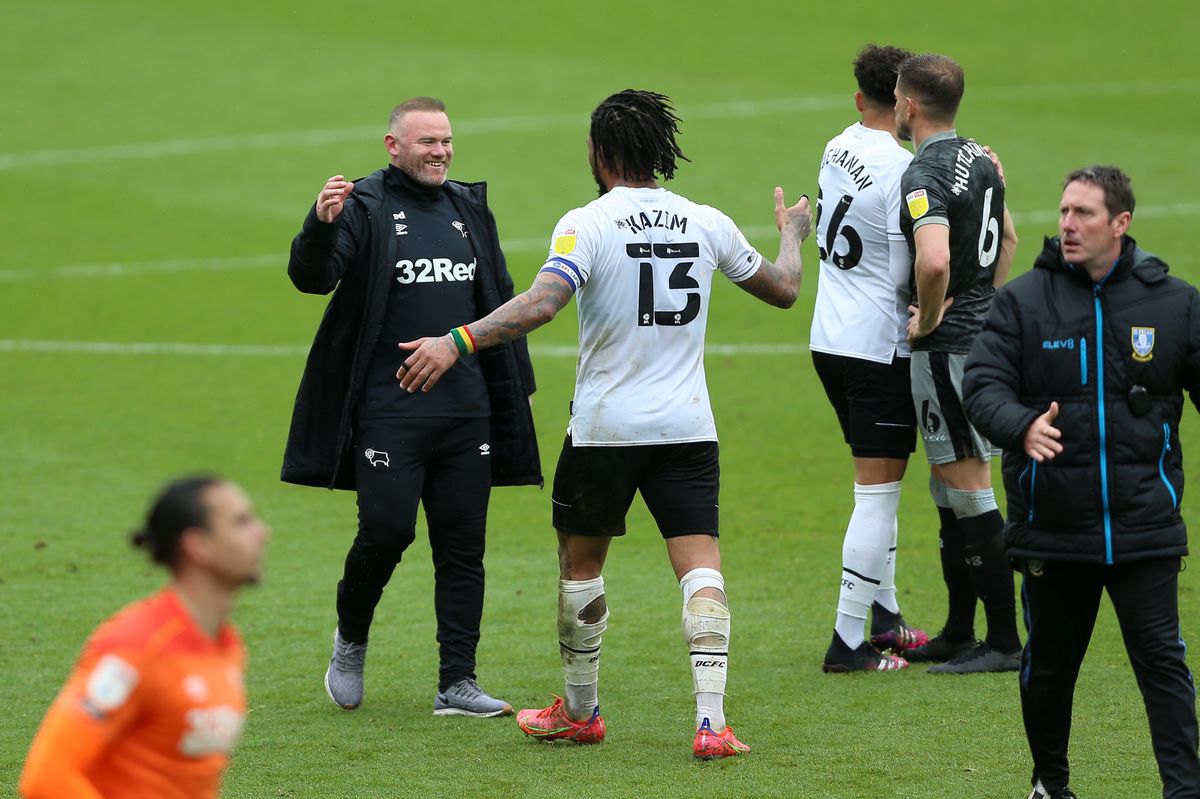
566 270
109 685
564 241
918 203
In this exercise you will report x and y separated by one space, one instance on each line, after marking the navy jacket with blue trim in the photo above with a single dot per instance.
1116 356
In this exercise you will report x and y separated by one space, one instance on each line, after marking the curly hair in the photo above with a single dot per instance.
876 69
633 135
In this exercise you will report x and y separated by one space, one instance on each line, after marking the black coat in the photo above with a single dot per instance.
355 254
1116 356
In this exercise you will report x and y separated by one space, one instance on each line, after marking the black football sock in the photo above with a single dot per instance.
983 547
960 587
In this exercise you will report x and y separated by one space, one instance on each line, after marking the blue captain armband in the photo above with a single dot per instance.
564 269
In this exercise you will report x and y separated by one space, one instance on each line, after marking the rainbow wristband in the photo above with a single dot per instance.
463 340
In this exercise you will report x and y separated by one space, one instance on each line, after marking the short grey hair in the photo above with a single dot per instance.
414 104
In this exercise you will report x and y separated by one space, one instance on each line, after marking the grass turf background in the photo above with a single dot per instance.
158 159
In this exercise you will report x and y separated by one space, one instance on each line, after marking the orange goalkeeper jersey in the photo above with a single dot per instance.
152 709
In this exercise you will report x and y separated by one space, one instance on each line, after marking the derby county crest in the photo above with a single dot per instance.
1143 343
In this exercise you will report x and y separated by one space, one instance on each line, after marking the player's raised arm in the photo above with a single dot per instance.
778 283
523 314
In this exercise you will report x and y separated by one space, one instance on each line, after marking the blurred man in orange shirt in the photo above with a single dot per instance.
156 702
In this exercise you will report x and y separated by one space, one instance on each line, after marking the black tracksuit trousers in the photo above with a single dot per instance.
445 465
1061 601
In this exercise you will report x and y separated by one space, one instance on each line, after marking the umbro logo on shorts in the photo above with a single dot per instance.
485 449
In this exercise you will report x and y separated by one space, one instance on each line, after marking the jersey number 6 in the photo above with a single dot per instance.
647 315
989 228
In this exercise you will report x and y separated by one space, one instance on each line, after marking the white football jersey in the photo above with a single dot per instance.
641 262
863 291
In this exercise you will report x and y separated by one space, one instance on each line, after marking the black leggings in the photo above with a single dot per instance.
445 465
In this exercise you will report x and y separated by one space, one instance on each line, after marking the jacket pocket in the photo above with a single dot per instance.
1162 465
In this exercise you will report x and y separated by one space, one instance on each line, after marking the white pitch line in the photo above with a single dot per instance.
533 123
287 351
1034 217
279 261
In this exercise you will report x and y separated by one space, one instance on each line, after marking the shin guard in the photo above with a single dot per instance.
582 620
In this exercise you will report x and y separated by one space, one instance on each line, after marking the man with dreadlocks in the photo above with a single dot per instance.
641 260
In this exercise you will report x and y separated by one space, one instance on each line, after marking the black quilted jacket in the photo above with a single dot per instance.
1116 356
352 254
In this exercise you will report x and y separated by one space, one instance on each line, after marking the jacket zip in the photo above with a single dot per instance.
1031 470
1108 549
1082 361
1162 472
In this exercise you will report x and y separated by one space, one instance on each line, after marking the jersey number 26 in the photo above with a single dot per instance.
854 249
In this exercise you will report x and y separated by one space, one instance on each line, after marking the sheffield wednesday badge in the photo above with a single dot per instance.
1143 343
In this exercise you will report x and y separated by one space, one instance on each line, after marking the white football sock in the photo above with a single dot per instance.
582 620
706 631
885 595
864 555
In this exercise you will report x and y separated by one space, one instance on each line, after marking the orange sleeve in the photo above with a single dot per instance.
99 700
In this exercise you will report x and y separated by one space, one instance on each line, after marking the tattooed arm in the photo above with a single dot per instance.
779 283
524 313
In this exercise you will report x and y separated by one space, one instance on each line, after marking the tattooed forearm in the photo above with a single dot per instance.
803 224
524 313
785 273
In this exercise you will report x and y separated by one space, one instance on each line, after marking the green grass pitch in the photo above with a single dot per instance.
158 157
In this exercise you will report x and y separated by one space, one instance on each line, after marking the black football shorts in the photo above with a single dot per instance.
594 487
873 403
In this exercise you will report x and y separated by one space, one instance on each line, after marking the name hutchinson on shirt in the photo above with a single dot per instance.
658 218
433 270
962 166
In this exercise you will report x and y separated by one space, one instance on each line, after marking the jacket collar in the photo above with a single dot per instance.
1132 260
370 190
399 181
941 135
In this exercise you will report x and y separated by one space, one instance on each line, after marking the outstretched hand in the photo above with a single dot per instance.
432 357
1042 438
332 198
799 214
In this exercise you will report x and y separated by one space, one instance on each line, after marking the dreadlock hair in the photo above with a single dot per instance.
633 135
